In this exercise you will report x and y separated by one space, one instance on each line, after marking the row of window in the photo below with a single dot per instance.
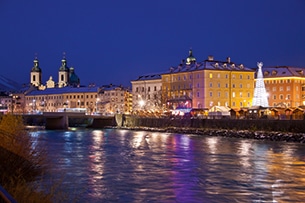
282 81
142 89
210 85
282 97
61 97
211 75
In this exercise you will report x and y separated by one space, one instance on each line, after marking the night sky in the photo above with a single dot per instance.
116 41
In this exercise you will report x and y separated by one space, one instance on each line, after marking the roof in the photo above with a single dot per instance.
155 76
63 90
283 71
209 65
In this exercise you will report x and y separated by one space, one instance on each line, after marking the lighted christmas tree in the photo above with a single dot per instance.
260 94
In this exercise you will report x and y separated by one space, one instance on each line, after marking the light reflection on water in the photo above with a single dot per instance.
139 166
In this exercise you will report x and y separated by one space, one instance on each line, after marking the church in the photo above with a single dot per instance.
66 76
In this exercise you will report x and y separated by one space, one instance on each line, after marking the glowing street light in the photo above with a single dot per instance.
141 103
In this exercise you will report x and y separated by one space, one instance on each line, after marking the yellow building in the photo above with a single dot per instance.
55 99
208 83
285 86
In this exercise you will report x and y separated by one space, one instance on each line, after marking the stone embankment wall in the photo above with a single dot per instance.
296 126
274 130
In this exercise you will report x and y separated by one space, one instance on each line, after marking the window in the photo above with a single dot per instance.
281 88
233 94
198 94
148 89
211 94
211 84
281 97
240 76
274 89
218 85
288 88
210 75
240 85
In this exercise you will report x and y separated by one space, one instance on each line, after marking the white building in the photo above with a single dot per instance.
147 92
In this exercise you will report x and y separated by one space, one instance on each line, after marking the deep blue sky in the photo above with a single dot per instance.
116 41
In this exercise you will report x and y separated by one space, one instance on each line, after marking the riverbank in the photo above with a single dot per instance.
246 134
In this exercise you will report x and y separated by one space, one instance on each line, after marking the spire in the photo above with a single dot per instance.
64 66
260 94
36 67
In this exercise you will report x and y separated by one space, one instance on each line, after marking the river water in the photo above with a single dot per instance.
114 165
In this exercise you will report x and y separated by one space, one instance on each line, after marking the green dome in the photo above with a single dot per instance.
36 67
64 66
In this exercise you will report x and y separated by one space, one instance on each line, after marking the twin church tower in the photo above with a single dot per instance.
66 76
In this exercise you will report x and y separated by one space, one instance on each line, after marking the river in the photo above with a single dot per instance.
113 165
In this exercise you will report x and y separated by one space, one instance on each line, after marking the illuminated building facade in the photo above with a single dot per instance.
114 99
146 93
285 86
208 83
54 99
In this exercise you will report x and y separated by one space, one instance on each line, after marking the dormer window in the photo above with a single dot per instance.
266 73
224 65
274 72
241 66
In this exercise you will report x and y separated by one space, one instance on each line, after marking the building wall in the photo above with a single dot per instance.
114 101
285 91
54 102
149 91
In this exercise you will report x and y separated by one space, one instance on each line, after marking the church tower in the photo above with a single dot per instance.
36 73
63 73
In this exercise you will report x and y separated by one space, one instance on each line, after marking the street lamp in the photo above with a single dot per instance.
141 103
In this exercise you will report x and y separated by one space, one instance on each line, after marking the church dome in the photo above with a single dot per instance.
190 59
63 66
36 67
73 78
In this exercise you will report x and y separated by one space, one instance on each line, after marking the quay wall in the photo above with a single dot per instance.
295 126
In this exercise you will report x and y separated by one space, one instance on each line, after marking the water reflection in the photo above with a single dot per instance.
139 166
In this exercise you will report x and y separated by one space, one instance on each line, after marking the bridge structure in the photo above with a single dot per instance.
60 120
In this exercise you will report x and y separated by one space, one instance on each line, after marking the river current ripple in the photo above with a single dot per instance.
114 165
